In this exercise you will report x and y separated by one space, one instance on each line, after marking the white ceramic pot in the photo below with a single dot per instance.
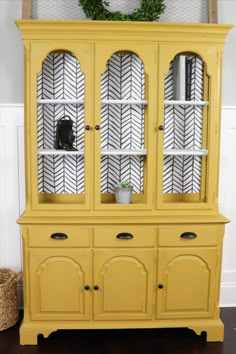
123 195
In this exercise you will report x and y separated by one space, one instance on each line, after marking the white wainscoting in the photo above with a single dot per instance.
227 204
12 195
12 198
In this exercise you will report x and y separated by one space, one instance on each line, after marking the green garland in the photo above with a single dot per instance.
149 10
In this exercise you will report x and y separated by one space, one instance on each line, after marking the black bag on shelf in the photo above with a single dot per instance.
64 134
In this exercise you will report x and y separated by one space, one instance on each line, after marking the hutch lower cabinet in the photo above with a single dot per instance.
121 101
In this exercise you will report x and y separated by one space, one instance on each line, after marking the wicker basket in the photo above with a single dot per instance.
8 298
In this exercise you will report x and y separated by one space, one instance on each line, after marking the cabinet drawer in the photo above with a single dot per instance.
58 236
188 235
125 236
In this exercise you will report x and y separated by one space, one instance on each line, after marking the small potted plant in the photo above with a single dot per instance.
123 192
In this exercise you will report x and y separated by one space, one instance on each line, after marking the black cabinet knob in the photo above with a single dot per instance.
188 235
161 127
59 236
87 127
125 236
97 127
87 287
160 286
96 287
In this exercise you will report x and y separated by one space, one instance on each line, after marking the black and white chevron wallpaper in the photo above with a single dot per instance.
60 78
183 130
122 125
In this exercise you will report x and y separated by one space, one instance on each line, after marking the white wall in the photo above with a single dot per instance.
11 183
227 198
11 143
11 49
11 58
227 14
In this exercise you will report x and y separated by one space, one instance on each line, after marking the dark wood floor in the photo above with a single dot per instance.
139 341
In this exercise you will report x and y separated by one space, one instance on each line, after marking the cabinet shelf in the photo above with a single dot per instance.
185 103
80 101
59 152
60 101
126 152
130 102
130 152
104 152
180 152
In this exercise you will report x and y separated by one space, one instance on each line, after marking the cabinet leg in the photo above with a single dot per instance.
28 336
29 333
214 332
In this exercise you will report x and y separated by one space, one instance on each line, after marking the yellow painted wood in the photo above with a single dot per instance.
93 43
57 278
142 237
127 272
170 236
125 279
188 279
40 236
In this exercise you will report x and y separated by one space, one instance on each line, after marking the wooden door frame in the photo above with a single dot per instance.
26 9
212 10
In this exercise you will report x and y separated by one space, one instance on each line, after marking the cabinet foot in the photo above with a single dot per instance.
214 332
29 334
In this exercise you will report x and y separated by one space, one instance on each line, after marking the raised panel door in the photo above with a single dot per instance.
186 283
57 284
123 284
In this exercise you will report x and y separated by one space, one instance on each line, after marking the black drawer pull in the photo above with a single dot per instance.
124 236
59 236
188 235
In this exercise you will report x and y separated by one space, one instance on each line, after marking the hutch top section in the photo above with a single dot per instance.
144 102
119 30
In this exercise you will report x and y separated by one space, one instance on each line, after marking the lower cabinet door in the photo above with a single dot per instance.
186 283
58 280
123 284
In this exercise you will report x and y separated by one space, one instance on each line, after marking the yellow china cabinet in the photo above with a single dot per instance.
143 104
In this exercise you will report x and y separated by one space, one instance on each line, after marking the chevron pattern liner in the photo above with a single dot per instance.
60 78
61 174
122 126
183 130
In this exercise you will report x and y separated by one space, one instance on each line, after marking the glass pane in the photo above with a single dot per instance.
121 168
184 145
60 96
122 122
182 174
61 174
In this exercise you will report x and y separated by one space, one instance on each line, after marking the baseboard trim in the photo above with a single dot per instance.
228 293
